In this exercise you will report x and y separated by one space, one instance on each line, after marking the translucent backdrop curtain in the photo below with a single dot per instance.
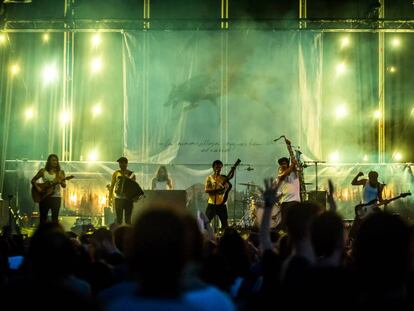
186 98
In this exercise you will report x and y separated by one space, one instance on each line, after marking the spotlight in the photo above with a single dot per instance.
345 41
96 110
93 155
391 69
397 156
64 117
365 158
29 114
340 68
377 114
14 69
341 112
45 37
96 40
96 65
50 74
3 38
334 157
396 42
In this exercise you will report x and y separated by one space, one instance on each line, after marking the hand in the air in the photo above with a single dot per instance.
269 193
360 174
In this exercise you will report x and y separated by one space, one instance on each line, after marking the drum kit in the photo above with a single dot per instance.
253 207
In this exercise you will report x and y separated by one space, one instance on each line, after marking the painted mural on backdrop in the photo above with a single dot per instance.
188 103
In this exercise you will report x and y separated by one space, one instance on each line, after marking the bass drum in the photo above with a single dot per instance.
257 210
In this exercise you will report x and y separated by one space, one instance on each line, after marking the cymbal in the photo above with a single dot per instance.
248 184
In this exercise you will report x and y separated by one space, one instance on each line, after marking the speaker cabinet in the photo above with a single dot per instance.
176 199
318 197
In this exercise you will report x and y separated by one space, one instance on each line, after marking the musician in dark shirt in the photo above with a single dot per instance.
121 202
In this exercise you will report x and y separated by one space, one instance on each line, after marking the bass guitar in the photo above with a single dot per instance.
364 209
40 191
227 178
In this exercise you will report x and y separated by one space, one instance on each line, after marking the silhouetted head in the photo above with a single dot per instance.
159 251
51 253
373 177
123 163
381 248
327 234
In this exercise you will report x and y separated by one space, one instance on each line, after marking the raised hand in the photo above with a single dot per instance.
331 200
269 193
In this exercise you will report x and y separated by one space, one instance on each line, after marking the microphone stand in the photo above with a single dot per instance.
234 196
316 171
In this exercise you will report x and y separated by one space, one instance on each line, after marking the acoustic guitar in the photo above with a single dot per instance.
40 191
364 209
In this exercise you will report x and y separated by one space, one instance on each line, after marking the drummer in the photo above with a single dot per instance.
121 203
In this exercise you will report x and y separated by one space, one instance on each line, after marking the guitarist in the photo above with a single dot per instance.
371 191
372 188
51 174
216 186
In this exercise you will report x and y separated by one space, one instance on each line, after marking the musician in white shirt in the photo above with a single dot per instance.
162 180
121 202
288 187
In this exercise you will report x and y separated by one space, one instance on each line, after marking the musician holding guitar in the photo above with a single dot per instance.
371 192
48 194
218 187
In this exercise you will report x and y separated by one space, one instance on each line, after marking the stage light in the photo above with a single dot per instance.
96 110
73 198
365 158
377 114
93 155
64 117
392 69
29 113
345 41
397 156
50 74
45 37
396 42
14 69
3 38
96 65
340 68
96 40
334 157
341 112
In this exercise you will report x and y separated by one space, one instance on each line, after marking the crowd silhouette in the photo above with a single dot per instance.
171 260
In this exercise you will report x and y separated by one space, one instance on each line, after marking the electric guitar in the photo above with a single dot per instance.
226 180
40 191
364 209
